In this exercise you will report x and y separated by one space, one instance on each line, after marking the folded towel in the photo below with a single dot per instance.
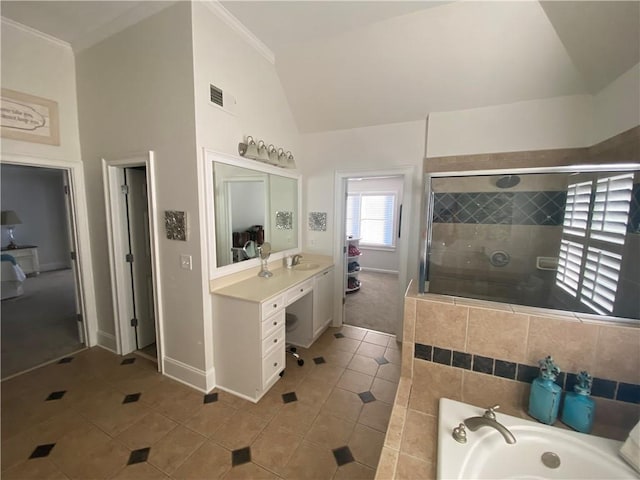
630 449
5 257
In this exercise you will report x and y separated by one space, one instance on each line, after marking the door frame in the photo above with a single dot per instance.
77 197
340 203
112 172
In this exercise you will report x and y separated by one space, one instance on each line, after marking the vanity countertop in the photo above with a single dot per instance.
258 289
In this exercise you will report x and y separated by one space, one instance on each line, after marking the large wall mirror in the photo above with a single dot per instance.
250 203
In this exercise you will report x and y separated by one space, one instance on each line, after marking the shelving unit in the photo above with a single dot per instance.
352 283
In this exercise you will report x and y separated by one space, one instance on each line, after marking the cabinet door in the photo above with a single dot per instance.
323 300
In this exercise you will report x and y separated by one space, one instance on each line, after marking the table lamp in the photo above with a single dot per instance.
10 219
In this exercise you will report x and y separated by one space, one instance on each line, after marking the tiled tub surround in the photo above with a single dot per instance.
485 353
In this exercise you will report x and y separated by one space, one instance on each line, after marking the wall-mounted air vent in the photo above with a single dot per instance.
216 96
222 99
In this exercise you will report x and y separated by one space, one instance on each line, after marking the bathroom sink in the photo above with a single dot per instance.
306 266
540 451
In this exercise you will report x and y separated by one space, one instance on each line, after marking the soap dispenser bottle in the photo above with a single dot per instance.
579 408
544 400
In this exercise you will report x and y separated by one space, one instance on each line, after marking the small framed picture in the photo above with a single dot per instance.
29 118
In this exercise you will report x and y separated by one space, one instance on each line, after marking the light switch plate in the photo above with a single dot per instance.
185 262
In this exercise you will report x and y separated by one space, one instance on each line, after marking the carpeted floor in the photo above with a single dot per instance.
40 325
375 305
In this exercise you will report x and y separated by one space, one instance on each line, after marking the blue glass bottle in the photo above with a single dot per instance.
544 400
579 408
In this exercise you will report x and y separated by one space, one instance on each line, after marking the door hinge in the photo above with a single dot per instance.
72 255
79 318
344 249
124 189
134 322
344 300
66 189
129 257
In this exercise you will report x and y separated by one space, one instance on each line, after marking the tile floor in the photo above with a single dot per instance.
97 415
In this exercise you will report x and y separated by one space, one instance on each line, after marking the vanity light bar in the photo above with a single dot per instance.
260 152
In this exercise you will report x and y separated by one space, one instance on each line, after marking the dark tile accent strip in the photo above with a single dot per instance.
461 360
505 369
139 456
132 398
442 356
526 373
211 397
319 360
624 392
483 364
240 456
381 360
628 392
56 395
343 455
42 450
289 397
367 397
603 388
422 352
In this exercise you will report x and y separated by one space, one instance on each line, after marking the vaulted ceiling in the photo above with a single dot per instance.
357 63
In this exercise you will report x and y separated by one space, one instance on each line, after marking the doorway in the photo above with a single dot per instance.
132 251
43 317
372 246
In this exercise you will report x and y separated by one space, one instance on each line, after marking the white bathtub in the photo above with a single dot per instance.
486 455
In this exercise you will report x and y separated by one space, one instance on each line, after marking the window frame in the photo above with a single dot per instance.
394 219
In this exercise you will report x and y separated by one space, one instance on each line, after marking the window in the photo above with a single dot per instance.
371 217
594 232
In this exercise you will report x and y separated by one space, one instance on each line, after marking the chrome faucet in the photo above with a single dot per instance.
489 420
296 260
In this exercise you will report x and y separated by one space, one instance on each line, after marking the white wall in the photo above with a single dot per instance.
377 258
44 67
37 196
135 92
361 149
617 106
561 122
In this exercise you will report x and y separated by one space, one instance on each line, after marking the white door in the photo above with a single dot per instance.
73 249
140 249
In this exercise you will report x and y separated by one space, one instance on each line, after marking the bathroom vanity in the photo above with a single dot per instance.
249 319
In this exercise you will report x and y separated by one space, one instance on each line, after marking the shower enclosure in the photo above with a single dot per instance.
565 238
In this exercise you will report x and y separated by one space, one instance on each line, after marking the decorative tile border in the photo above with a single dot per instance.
604 388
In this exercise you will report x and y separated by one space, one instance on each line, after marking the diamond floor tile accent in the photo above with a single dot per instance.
240 456
42 450
138 456
66 360
338 335
211 397
131 398
381 360
319 360
56 395
343 455
127 361
289 397
367 397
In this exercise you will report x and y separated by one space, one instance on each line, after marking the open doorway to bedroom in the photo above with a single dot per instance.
41 308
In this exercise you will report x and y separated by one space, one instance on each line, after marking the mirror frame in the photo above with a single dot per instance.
211 156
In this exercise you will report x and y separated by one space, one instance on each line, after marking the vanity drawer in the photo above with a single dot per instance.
272 365
298 291
273 341
272 323
271 306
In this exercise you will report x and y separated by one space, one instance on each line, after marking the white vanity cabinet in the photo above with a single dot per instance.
322 301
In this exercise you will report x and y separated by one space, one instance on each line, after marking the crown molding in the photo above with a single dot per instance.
12 23
223 14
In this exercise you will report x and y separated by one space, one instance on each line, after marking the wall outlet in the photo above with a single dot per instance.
185 262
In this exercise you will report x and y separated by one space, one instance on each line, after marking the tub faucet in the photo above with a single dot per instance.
489 420
296 260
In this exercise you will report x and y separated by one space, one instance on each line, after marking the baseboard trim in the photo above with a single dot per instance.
50 267
107 341
191 376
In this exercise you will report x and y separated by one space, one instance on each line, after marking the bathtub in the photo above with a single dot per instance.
486 455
